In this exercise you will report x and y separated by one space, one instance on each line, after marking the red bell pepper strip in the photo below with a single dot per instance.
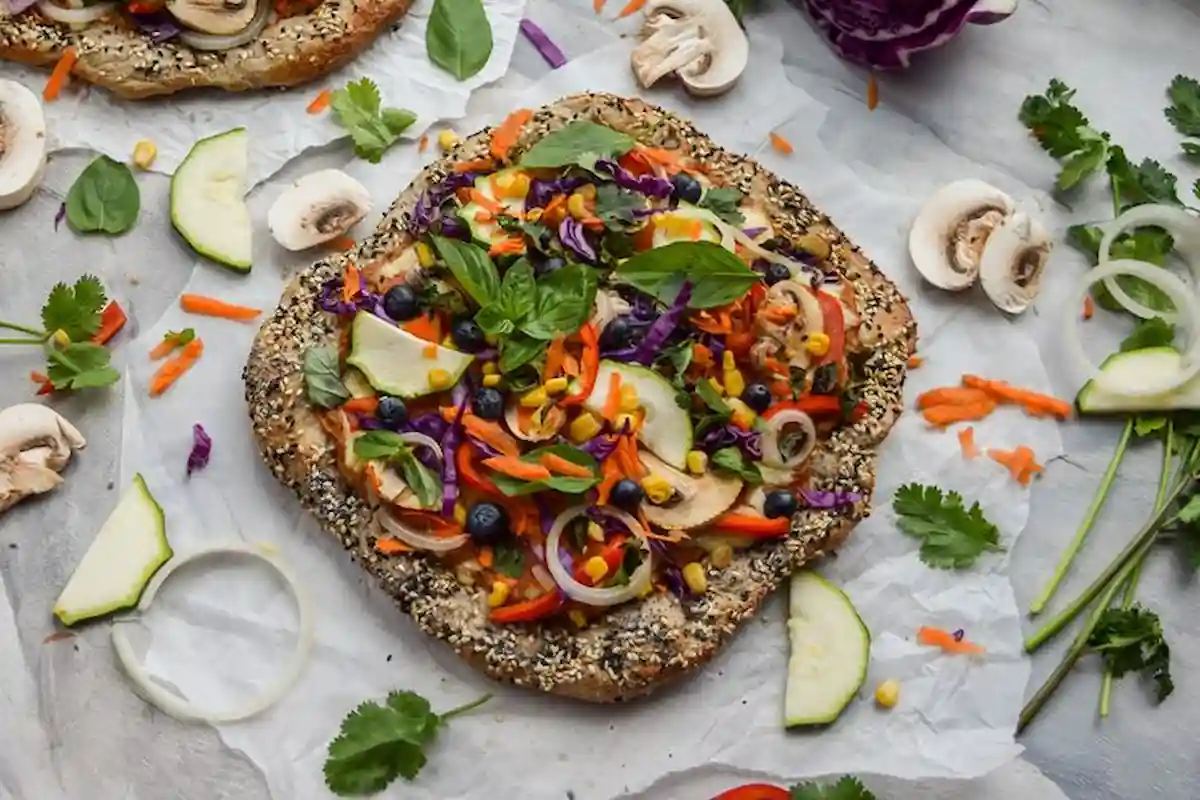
528 611
469 475
613 555
834 327
755 791
752 526
590 364
46 385
112 319
811 404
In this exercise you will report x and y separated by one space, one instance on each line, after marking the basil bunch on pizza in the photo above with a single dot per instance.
593 389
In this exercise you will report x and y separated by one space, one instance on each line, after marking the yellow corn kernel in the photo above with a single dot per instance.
578 618
519 186
583 427
817 344
460 513
533 214
439 379
727 361
887 694
647 590
742 415
595 532
447 139
144 153
577 206
721 556
629 397
717 385
595 568
490 368
588 191
674 224
504 181
658 489
492 380
430 351
735 384
555 386
61 339
534 398
697 462
694 577
425 255
499 594
623 420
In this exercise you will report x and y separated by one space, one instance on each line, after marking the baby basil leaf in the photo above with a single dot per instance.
718 277
376 445
517 292
518 350
459 37
730 459
471 267
564 301
567 146
104 198
323 378
422 480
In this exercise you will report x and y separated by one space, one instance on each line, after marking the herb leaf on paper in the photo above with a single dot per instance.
104 198
847 788
75 310
952 536
358 109
459 37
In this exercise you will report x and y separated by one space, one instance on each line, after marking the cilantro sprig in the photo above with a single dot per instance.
359 109
1184 114
846 788
952 535
1131 640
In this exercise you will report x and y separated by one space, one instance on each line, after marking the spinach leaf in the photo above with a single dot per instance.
323 378
518 350
730 459
421 479
459 37
471 267
712 398
567 146
564 301
558 483
725 202
104 198
718 277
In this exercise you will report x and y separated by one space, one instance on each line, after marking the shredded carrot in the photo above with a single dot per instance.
695 230
425 326
915 361
560 466
478 165
664 158
701 355
936 637
554 357
351 283
598 5
966 442
781 144
516 468
951 396
570 365
627 458
511 245
341 244
174 368
484 216
1021 463
781 389
212 307
320 102
391 546
612 400
632 7
1089 307
872 92
944 416
779 314
60 75
611 475
489 433
486 557
423 143
363 405
162 349
429 351
485 201
1035 403
506 133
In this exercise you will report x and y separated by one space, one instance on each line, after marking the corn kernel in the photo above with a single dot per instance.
504 181
595 568
555 386
743 415
595 532
647 590
697 462
425 255
492 381
727 361
460 513
144 153
716 385
694 577
577 206
519 186
447 139
735 384
817 344
439 379
534 397
887 694
625 420
61 339
490 368
658 489
583 427
492 339
588 191
499 594
533 214
629 397
721 556
578 618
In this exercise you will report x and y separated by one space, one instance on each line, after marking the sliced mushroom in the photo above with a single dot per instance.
609 306
219 17
22 144
1012 263
697 499
388 486
35 444
544 423
322 205
698 40
789 335
949 235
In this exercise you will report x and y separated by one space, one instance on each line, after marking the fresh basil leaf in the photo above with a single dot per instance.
712 398
615 206
564 301
104 198
459 37
471 267
567 146
508 560
378 445
725 202
1153 332
518 291
718 277
518 350
494 321
423 481
323 378
730 459
616 246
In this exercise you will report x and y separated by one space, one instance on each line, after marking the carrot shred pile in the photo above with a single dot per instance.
915 361
506 133
516 468
977 397
174 368
320 102
966 441
212 307
1021 463
936 637
781 144
598 5
423 143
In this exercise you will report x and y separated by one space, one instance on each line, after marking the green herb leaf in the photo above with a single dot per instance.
459 37
357 109
1143 244
378 445
718 277
508 561
75 310
180 338
494 321
725 202
1196 188
80 365
1082 162
847 788
950 534
679 356
564 301
471 267
1146 183
421 479
323 378
1131 640
514 487
1059 126
1184 111
104 198
730 459
517 291
1191 149
629 564
712 398
1147 426
1153 332
566 147
518 350
615 206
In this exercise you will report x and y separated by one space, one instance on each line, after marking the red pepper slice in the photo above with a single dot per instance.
752 526
528 611
835 327
755 791
112 319
469 475
46 386
811 404
613 555
590 364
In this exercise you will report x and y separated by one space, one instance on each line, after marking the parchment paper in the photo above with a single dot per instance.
280 129
216 635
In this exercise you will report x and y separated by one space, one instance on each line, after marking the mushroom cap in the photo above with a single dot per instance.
22 144
948 237
1012 263
218 17
701 41
701 498
29 425
320 206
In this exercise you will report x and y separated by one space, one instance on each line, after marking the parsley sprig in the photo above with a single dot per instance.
1131 640
359 109
952 535
847 788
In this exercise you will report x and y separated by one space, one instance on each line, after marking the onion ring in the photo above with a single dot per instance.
75 16
772 455
590 595
1176 291
797 269
208 41
1183 227
421 541
421 440
181 709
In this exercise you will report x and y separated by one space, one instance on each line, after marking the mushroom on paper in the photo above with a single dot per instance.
698 40
317 208
35 445
947 239
1011 267
22 144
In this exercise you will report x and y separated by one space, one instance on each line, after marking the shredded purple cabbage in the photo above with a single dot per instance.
715 345
60 216
675 582
454 228
429 205
20 6
431 424
600 446
201 449
819 498
450 441
663 327
752 232
368 423
541 42
648 185
959 634
542 191
545 517
719 437
485 449
572 235
330 299
159 26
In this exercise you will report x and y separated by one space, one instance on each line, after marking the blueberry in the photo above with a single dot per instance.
686 188
617 334
548 265
776 273
780 503
392 411
488 403
467 336
400 303
757 396
627 494
487 523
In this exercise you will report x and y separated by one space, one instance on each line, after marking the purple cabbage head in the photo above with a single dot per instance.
648 185
572 235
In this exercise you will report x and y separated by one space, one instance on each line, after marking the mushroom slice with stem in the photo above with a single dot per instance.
218 17
698 40
534 425
1012 263
22 144
320 206
951 231
697 498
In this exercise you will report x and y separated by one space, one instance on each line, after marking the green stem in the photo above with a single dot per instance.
454 712
22 341
1089 519
12 326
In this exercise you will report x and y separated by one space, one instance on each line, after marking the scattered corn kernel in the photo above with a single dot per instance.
595 532
817 344
742 415
460 513
577 206
577 618
492 380
721 556
694 577
499 594
717 385
534 397
555 386
492 339
61 339
887 694
425 255
697 462
144 153
727 361
629 397
583 427
658 489
735 384
490 368
595 568
439 379
447 139
533 214
623 420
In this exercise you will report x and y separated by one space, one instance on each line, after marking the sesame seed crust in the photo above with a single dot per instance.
639 646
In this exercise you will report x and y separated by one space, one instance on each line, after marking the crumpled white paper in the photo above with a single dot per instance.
280 129
218 634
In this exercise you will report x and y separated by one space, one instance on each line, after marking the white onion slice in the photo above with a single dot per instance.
208 41
422 440
174 705
590 595
421 541
1179 295
75 16
1184 229
772 456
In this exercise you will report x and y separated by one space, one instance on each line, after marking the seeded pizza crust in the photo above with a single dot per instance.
124 60
637 647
